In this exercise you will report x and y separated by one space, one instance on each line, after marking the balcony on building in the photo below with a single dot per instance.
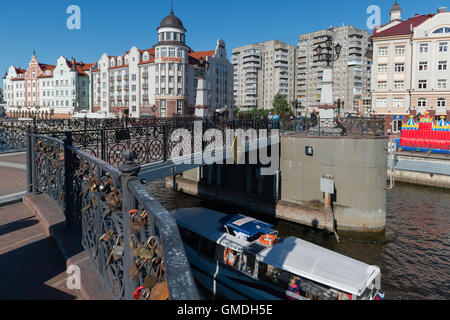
354 61
126 77
126 87
145 75
145 97
119 88
145 86
119 78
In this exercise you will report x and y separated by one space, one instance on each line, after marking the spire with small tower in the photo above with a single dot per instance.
396 12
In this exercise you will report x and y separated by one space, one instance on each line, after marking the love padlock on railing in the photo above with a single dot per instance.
137 293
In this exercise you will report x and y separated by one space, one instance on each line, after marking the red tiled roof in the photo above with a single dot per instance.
202 54
404 27
46 67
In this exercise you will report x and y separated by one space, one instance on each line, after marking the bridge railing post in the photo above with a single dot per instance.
29 152
71 220
165 145
129 170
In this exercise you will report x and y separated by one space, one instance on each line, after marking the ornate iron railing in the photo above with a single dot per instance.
104 202
334 127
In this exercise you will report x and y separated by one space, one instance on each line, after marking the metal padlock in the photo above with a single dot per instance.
107 236
135 227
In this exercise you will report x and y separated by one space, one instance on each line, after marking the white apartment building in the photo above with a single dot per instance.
47 91
351 72
162 81
411 72
261 71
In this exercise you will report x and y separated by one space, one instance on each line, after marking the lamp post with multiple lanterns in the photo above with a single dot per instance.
328 54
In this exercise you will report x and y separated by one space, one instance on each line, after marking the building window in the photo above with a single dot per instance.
170 66
382 85
398 103
423 66
442 84
170 79
443 46
163 108
133 87
399 67
381 103
180 79
382 68
442 65
422 84
399 50
179 53
171 52
382 51
442 30
163 52
422 102
168 36
170 91
179 107
163 67
441 102
399 85
396 126
179 67
133 77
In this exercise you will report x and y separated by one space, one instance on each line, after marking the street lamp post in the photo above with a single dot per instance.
328 54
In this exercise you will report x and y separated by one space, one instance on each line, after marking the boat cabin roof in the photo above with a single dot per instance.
248 226
294 255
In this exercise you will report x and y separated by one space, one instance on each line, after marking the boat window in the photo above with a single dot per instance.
207 247
188 237
247 264
296 284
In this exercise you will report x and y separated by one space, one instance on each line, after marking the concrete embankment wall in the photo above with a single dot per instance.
422 169
358 166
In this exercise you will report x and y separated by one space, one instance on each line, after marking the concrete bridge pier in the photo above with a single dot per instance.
356 166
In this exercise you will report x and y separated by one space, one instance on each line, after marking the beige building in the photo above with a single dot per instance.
410 72
261 71
351 72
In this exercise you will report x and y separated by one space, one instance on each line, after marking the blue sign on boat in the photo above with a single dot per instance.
248 226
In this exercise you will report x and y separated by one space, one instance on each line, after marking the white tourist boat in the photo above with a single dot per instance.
238 258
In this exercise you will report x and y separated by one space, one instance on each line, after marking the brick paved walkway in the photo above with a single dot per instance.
13 174
31 264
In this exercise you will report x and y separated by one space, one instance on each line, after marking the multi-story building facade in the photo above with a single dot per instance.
411 73
162 81
351 72
45 91
261 71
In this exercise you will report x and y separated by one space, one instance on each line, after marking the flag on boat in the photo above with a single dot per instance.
379 296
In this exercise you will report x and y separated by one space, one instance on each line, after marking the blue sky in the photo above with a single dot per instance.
115 26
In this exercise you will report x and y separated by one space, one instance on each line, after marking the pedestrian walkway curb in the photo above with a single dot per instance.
12 198
52 220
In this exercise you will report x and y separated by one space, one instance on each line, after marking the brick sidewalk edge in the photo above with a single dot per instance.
52 219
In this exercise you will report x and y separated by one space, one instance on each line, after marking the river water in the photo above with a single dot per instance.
413 254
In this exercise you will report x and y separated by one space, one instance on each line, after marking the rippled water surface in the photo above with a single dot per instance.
413 254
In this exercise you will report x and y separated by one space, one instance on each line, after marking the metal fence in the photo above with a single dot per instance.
334 127
132 239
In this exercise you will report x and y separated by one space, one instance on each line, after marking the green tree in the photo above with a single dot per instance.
280 105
